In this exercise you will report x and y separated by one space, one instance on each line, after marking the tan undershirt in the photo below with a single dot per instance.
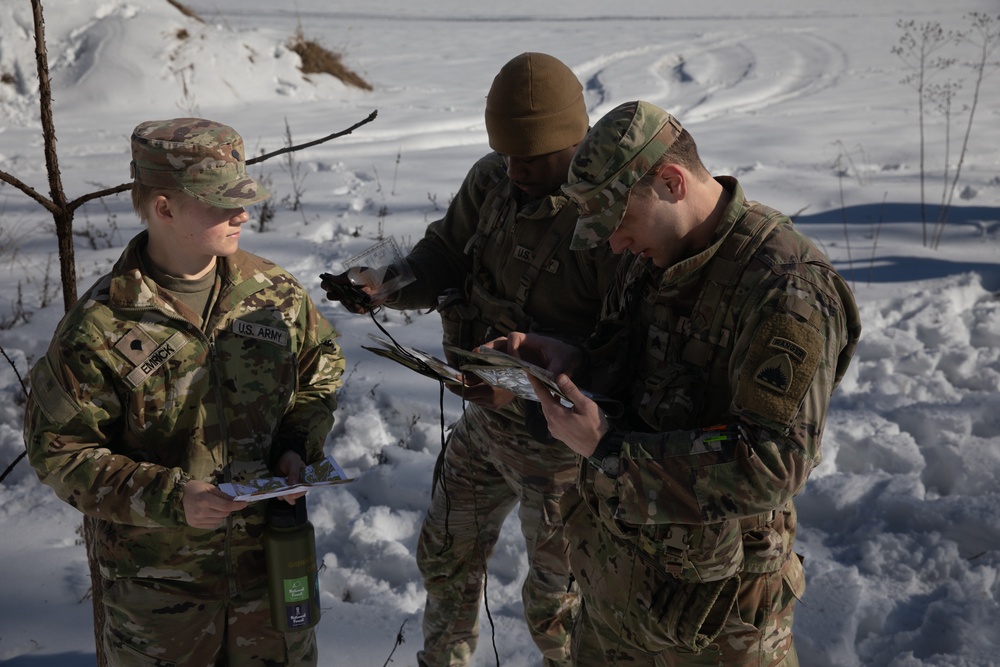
197 294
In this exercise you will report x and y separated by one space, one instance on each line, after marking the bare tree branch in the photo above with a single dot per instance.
83 199
292 149
24 388
28 190
63 216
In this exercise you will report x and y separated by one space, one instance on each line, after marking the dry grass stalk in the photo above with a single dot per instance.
316 59
186 11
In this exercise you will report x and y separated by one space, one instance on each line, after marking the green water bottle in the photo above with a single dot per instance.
290 552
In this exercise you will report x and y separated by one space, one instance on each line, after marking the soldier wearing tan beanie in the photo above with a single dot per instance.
534 107
498 261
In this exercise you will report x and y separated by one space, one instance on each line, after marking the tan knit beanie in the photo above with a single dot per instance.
535 106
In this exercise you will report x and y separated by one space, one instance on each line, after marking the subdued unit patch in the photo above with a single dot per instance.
783 359
776 374
790 347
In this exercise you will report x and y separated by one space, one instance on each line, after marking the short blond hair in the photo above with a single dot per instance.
143 196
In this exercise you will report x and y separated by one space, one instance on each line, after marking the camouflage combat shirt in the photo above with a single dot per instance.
483 249
133 399
727 396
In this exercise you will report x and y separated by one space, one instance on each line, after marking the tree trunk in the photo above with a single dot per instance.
63 216
96 588
67 258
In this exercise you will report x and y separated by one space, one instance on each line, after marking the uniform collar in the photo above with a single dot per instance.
686 269
131 288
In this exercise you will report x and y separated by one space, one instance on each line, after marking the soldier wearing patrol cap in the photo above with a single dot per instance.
725 335
191 363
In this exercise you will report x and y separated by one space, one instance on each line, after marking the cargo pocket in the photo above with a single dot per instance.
794 577
692 615
685 578
456 322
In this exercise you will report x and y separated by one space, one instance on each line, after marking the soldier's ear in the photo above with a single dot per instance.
672 182
163 209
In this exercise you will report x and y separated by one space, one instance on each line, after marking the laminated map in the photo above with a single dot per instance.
322 473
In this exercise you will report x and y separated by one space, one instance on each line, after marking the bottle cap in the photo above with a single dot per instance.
282 515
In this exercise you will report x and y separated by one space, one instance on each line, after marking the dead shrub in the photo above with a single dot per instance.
318 60
186 11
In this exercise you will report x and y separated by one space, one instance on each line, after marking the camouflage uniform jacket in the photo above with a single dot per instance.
727 361
133 399
497 262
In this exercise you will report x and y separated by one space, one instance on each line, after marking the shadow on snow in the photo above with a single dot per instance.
979 223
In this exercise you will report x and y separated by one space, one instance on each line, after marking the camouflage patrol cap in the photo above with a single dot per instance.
617 152
202 158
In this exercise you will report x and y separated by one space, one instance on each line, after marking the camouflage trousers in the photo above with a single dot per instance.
167 624
487 469
633 612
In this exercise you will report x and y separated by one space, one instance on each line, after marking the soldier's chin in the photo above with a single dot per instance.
532 191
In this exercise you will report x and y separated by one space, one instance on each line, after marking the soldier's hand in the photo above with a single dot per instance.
356 299
549 353
291 466
483 394
205 506
580 426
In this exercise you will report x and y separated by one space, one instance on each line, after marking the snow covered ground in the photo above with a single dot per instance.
900 525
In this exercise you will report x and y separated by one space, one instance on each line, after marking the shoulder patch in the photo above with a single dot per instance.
54 401
779 367
775 374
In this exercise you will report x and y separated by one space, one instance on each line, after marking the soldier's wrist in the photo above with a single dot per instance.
294 441
175 498
607 454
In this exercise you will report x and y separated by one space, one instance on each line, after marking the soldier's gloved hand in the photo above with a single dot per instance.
356 299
